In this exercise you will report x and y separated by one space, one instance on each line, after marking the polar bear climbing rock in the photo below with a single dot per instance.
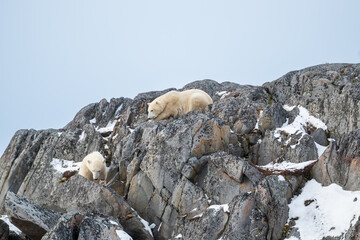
175 104
93 167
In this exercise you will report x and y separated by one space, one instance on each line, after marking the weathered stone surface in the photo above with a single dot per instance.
188 196
67 227
169 219
272 117
18 159
129 151
76 144
320 137
340 163
272 197
190 135
219 186
101 113
26 165
100 228
229 164
42 179
330 92
79 226
208 225
30 218
241 105
4 230
301 148
167 153
141 192
74 195
209 137
246 222
261 214
83 117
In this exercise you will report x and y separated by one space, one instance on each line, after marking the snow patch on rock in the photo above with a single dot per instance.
62 166
324 211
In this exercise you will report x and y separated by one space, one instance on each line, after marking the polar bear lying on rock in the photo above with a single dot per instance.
175 104
93 167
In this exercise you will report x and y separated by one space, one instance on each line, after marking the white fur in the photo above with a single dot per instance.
93 167
175 104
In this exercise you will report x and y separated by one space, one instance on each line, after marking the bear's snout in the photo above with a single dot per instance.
150 116
96 175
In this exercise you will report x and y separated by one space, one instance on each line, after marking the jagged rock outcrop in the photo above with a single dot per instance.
330 92
211 175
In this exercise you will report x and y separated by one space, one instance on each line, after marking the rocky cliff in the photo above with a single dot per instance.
228 173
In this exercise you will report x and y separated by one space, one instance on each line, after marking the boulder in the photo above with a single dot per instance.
30 218
75 225
74 195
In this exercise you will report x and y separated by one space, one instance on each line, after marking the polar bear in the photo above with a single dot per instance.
175 104
93 167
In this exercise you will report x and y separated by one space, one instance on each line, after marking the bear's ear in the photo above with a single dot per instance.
89 161
104 160
148 104
156 102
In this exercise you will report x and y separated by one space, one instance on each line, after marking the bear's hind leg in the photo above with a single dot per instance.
197 103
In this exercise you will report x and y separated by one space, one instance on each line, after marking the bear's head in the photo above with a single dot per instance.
154 109
96 166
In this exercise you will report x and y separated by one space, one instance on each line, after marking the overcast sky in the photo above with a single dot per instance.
58 56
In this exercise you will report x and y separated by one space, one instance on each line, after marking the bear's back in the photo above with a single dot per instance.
197 92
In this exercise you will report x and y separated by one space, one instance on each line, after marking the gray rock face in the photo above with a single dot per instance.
241 224
272 117
241 105
320 137
89 226
4 230
340 164
199 176
208 225
260 214
31 219
41 223
74 195
100 113
330 92
271 149
18 159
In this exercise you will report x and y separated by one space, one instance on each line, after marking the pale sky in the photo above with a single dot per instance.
59 56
